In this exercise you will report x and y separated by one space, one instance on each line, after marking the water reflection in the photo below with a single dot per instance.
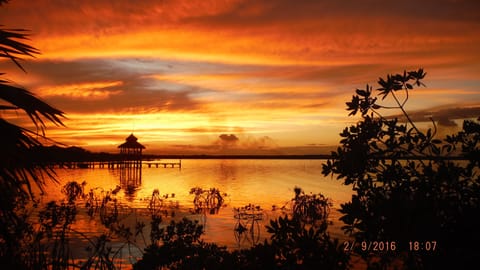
131 165
130 177
227 171
260 182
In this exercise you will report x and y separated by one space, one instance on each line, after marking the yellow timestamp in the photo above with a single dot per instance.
383 246
370 245
422 245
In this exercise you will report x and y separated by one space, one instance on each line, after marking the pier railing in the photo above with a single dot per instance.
113 164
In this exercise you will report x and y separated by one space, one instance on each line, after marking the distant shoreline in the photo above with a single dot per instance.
151 157
77 154
319 156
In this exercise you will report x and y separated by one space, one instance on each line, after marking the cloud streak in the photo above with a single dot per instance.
182 72
301 32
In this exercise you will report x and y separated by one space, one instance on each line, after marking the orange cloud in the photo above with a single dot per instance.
186 71
276 32
92 91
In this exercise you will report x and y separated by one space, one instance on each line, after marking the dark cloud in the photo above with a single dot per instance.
225 142
135 92
139 91
111 17
91 70
446 117
443 116
228 138
445 122
328 13
324 74
243 142
129 101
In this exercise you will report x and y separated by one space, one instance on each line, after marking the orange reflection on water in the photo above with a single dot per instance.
261 182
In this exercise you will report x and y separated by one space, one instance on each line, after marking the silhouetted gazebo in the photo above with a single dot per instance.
131 163
131 147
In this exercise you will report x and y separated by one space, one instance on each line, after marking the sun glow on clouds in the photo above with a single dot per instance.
158 131
85 90
181 73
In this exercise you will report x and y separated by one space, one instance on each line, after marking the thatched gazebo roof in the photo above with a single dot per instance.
131 142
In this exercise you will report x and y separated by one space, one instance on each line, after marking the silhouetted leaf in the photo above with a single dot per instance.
13 49
361 93
34 107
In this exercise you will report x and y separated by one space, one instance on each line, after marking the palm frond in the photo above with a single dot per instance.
12 47
18 167
35 108
5 107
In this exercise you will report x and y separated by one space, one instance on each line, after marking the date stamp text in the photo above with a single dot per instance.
386 246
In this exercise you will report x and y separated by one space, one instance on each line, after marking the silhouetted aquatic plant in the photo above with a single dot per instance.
51 246
210 200
294 245
247 225
92 202
178 245
50 243
73 191
156 203
100 257
109 210
161 205
311 208
172 245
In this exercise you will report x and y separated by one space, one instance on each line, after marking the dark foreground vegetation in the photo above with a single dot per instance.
158 240
428 206
417 194
299 240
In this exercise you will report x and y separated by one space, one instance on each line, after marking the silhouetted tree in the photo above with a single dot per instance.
420 192
18 172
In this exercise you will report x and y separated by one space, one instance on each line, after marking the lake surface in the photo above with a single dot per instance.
261 182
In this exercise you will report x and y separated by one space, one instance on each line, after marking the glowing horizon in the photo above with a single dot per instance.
275 74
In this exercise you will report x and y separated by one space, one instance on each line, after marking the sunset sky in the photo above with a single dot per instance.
237 77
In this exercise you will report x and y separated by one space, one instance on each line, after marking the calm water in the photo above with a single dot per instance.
260 182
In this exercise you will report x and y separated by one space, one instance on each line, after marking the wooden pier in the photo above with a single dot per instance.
114 164
164 164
